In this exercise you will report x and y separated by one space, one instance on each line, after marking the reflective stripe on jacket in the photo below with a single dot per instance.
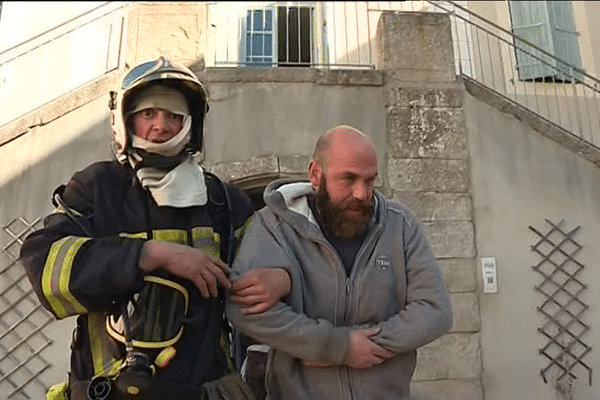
74 274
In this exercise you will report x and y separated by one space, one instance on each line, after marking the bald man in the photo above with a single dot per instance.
366 289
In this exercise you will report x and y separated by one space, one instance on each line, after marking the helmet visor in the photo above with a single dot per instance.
138 72
156 69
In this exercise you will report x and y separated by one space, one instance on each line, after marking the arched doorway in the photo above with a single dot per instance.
254 186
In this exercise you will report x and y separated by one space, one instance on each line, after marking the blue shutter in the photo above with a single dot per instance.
566 44
548 25
259 37
530 21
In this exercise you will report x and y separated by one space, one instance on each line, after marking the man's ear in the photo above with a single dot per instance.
314 173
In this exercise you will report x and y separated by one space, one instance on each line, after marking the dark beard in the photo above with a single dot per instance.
333 218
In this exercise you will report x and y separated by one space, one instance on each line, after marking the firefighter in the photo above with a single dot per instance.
139 247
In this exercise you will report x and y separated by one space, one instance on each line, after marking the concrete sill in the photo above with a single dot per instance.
292 74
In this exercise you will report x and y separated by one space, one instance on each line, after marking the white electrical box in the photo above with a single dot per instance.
490 274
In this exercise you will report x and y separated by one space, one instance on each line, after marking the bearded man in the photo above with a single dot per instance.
366 288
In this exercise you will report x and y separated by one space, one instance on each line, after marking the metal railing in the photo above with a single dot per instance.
487 53
342 36
310 34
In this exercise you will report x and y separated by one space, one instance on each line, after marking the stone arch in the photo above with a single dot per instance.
255 185
254 174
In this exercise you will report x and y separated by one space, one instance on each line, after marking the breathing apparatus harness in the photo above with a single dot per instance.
163 305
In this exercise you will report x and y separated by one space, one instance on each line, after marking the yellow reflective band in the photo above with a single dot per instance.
142 344
240 232
226 349
104 363
139 235
206 240
170 235
204 232
57 275
47 278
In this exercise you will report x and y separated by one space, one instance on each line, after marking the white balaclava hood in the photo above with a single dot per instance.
182 186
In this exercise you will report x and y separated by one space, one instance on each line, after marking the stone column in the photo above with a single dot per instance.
176 30
427 170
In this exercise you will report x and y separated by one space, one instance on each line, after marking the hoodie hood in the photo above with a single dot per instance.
288 199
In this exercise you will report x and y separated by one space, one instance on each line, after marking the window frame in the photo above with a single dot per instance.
308 28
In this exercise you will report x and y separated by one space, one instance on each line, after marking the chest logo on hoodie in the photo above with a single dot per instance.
383 263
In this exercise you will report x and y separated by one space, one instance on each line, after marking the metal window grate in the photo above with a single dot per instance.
562 308
22 320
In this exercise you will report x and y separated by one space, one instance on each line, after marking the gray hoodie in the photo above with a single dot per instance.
395 284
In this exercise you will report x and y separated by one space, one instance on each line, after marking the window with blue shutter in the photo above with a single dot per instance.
259 37
550 26
279 36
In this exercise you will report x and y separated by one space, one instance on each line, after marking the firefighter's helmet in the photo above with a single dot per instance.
167 73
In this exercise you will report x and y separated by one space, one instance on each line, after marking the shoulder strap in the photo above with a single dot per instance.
219 204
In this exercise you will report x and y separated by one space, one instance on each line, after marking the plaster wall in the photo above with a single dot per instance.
258 119
34 164
246 120
520 178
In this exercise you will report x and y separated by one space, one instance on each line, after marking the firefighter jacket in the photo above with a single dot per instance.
75 274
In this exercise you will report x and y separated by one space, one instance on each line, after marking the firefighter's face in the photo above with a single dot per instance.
156 125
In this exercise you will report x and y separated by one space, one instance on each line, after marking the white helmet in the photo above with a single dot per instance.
166 73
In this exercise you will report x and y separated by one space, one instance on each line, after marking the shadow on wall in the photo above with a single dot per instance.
36 163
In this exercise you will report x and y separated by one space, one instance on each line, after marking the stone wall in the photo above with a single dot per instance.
428 171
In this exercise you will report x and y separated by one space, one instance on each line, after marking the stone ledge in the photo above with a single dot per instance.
258 170
346 77
232 171
406 96
561 136
59 107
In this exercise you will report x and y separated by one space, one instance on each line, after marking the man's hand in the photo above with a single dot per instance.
259 289
188 263
363 352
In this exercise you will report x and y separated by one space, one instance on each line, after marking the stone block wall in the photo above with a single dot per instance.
427 170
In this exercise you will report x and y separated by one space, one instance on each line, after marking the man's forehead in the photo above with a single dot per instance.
362 167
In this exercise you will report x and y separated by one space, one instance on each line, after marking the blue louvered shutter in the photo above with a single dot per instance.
548 25
566 44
